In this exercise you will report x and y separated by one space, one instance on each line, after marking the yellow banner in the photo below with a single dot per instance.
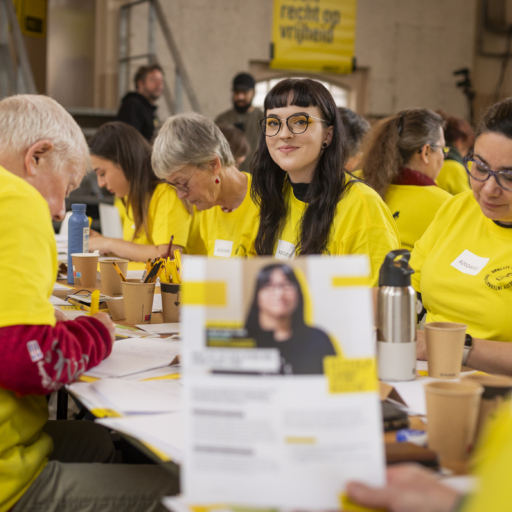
314 35
32 15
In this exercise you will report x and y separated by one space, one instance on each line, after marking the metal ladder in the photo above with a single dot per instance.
182 84
15 72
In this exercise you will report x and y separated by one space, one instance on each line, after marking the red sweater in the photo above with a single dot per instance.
39 359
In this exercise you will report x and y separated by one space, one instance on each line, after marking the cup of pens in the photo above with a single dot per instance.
110 278
138 301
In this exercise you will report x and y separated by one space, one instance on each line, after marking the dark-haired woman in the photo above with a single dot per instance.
150 210
308 204
276 320
402 158
463 262
460 138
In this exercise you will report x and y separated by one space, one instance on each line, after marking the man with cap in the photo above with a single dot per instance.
243 115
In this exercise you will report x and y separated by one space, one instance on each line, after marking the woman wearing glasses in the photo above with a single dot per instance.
191 154
402 157
308 204
150 210
463 262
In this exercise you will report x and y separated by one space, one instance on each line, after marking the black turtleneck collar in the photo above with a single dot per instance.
300 190
501 225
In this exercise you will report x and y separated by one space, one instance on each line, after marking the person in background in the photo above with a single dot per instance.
191 153
138 108
308 203
150 210
402 158
460 138
243 114
462 262
356 127
47 465
237 141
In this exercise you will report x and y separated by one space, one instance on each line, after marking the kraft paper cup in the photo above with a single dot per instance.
497 389
452 413
110 280
170 302
445 346
138 301
85 267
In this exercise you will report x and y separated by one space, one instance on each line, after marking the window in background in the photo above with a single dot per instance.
339 94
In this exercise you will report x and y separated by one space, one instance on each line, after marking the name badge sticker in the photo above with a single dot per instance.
223 248
469 263
285 250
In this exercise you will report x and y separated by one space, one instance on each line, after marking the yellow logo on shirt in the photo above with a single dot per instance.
499 278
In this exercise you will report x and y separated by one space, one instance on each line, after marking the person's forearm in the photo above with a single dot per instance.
491 356
131 250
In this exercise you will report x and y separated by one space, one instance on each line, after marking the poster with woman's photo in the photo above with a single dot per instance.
281 402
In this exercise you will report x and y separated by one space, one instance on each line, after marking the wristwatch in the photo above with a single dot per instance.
468 345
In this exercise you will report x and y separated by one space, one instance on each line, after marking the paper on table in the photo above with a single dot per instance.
176 504
163 431
136 355
160 328
58 302
58 286
156 373
138 397
422 366
87 395
413 393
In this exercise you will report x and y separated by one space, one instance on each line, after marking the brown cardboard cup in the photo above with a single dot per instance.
170 302
85 267
452 413
497 389
138 301
445 345
110 280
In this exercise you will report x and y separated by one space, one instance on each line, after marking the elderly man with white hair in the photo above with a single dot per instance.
47 465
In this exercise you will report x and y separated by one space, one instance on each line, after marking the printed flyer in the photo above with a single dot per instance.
281 407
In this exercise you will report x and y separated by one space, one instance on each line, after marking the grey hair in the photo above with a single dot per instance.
188 139
356 127
28 118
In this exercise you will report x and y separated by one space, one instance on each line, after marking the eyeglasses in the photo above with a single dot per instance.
297 124
481 172
445 149
285 287
184 187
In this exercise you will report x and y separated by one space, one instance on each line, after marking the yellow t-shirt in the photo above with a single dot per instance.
414 207
453 177
230 234
195 243
362 225
493 467
28 268
167 216
463 269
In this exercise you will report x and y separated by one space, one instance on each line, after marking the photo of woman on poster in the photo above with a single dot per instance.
276 320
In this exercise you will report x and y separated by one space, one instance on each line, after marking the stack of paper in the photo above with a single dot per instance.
58 302
136 355
161 431
139 397
160 328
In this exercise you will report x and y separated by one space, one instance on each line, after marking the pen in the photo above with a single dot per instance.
177 259
95 302
153 272
174 273
146 270
169 247
119 271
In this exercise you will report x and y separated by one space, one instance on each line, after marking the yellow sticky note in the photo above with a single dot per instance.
350 375
347 505
204 293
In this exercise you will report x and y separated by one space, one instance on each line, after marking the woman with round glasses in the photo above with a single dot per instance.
308 204
463 262
191 154
402 158
150 210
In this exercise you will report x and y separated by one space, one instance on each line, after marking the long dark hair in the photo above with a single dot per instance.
392 142
298 325
329 180
126 147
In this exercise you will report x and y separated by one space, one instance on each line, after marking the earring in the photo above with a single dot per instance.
217 180
324 145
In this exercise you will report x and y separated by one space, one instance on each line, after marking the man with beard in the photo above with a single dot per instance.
138 108
243 115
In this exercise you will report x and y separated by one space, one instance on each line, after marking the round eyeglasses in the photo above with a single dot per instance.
297 124
481 172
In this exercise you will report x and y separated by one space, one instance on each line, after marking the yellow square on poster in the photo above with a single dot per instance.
314 35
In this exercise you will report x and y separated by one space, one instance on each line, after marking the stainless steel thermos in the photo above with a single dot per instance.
396 319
